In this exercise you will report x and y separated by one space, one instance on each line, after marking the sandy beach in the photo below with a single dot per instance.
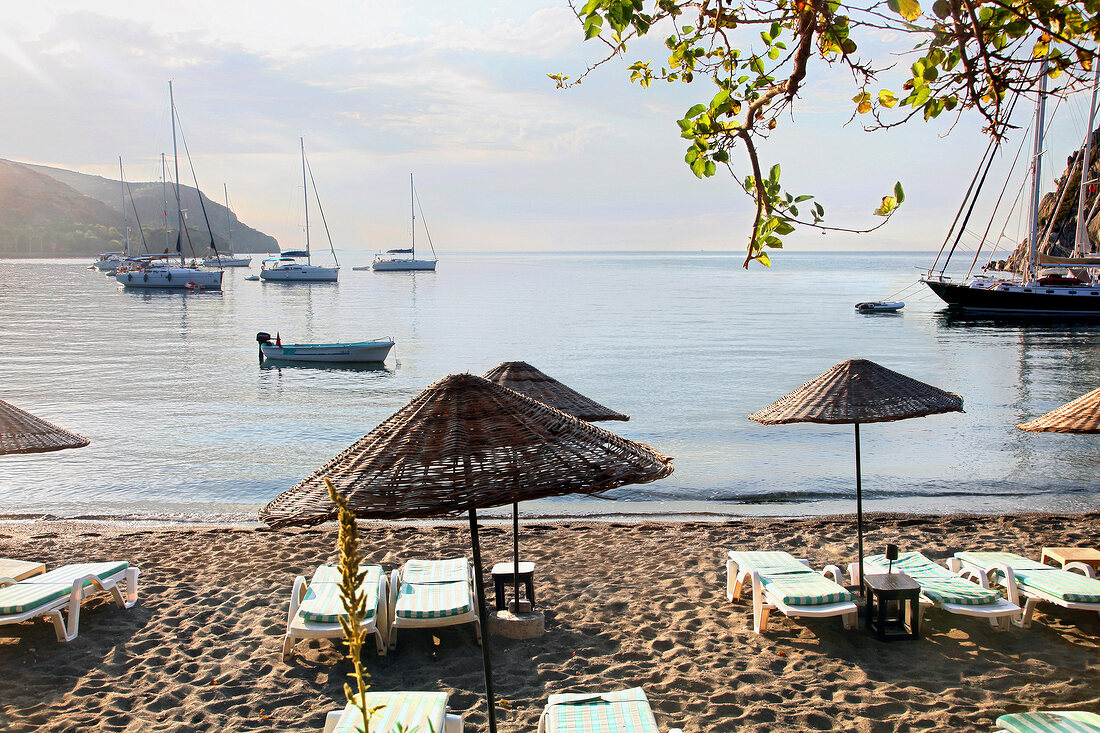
626 604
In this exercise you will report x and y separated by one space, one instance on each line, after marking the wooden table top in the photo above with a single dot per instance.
20 569
891 582
1063 555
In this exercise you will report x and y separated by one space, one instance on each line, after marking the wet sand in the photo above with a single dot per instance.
626 604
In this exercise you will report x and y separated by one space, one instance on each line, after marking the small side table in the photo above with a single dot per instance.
891 624
1061 556
20 569
503 575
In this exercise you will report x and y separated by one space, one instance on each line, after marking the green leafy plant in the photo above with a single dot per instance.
974 55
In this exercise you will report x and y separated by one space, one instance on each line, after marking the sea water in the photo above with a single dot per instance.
184 419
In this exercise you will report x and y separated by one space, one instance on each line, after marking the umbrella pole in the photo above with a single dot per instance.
859 511
484 621
515 550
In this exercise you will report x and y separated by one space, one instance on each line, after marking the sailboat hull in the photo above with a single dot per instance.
398 265
1019 299
301 273
181 278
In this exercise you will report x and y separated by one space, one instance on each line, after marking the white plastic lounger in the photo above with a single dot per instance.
1028 579
64 588
944 589
432 593
397 711
316 608
1050 721
779 580
624 711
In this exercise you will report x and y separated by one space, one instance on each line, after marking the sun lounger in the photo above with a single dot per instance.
778 580
432 593
64 588
1027 579
944 589
1052 721
624 711
421 712
316 607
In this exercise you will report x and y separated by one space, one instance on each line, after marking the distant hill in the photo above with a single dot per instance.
52 212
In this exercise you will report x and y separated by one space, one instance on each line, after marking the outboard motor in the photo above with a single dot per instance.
262 338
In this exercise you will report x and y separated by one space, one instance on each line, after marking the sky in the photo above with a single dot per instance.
457 94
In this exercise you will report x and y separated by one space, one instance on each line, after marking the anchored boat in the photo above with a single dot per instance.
374 351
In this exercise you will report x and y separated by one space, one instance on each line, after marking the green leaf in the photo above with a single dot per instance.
908 9
695 111
899 194
886 98
773 175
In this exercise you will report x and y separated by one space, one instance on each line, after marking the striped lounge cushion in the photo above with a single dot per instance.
434 589
625 711
40 590
1070 587
788 580
938 583
1050 722
322 603
413 711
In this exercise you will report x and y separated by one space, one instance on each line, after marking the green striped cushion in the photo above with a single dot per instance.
436 571
767 562
1070 587
1050 722
937 582
804 589
39 590
419 711
323 604
625 711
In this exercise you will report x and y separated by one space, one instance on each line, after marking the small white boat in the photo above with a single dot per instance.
374 351
108 262
405 260
226 260
880 306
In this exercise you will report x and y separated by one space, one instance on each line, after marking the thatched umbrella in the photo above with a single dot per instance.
526 379
22 432
859 391
1080 416
461 445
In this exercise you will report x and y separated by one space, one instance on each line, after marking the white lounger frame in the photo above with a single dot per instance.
302 629
66 628
421 623
763 602
1001 615
451 723
1015 592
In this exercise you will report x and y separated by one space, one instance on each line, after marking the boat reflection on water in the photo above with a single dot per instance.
330 366
952 318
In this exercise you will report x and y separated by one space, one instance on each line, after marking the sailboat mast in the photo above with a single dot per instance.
122 183
1036 170
412 208
1081 244
228 222
305 196
176 159
164 191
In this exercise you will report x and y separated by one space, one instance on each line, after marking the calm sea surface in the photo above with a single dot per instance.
184 421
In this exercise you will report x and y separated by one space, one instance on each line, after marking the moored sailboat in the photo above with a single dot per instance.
1036 291
154 273
227 259
399 260
286 267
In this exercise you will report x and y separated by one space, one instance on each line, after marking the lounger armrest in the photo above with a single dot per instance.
853 573
332 719
1079 567
804 561
835 574
7 581
1008 580
297 593
452 723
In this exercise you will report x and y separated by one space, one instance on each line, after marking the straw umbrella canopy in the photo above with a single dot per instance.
1080 416
464 444
22 432
526 379
859 391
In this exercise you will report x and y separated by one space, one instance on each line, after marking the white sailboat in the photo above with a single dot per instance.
404 260
109 262
286 267
227 259
149 273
